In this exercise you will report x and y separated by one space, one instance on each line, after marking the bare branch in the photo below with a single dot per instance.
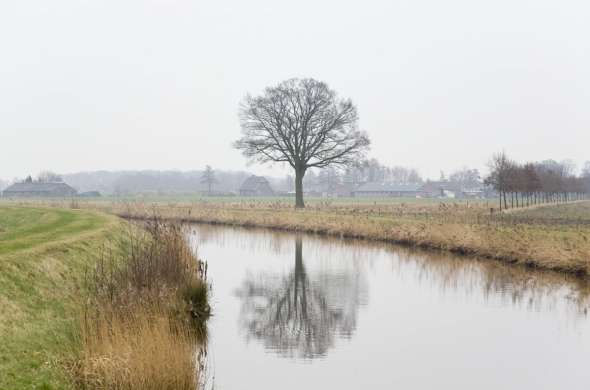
303 123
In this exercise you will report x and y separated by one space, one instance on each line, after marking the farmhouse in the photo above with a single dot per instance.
256 186
445 189
387 190
30 189
440 189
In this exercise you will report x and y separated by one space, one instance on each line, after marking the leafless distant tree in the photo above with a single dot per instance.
329 179
533 183
465 177
373 171
49 177
586 175
500 175
301 122
289 182
404 175
208 178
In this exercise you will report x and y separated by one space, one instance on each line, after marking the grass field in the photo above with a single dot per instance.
571 213
43 256
239 200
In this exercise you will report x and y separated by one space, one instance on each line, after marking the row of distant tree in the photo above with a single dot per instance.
329 179
42 177
133 182
151 181
517 184
373 171
537 182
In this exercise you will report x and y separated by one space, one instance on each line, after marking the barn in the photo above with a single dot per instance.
29 189
256 186
382 190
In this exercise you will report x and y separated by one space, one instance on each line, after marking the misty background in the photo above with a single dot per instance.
125 86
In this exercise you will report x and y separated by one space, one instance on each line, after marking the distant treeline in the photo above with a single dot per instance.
133 182
328 180
517 184
536 182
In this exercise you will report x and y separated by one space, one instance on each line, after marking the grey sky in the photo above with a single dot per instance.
122 84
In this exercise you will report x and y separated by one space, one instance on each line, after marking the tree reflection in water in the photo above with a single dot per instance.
301 313
298 314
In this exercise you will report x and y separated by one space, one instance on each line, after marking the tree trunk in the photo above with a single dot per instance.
299 173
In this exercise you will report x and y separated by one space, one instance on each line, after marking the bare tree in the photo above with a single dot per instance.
586 176
289 181
329 179
404 175
500 175
208 177
49 177
303 123
541 182
466 177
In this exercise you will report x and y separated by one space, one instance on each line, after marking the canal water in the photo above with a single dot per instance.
308 312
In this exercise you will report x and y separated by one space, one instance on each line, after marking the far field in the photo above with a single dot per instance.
555 237
283 200
43 256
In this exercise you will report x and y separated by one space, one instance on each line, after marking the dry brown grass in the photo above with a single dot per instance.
460 228
141 352
144 320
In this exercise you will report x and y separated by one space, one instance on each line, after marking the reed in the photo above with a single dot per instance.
144 319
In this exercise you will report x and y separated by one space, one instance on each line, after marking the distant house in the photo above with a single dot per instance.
474 192
383 190
30 189
440 189
445 189
256 186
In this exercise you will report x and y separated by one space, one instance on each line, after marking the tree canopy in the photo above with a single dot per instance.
303 123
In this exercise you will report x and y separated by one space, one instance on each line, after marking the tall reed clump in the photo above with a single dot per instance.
144 323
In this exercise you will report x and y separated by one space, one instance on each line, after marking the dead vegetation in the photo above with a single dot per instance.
464 228
143 325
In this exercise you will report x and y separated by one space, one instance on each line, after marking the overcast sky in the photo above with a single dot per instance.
140 84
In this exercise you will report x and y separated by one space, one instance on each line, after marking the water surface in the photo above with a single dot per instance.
305 312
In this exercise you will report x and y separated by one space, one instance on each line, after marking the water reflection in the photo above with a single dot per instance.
439 320
300 314
344 263
484 279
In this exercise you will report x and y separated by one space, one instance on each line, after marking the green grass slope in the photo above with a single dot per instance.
43 256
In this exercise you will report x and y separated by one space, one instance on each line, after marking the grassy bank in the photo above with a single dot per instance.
533 237
88 301
43 256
